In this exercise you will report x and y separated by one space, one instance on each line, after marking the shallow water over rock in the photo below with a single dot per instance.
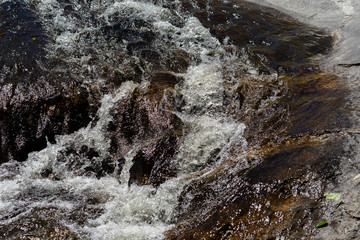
165 120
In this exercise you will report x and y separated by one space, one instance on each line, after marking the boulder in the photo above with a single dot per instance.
147 123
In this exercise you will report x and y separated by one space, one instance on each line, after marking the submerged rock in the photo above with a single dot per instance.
294 149
264 31
274 188
281 192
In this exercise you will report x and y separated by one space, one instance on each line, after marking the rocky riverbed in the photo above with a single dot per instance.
340 18
176 120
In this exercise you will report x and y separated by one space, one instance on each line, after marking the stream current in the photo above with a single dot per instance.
198 74
126 211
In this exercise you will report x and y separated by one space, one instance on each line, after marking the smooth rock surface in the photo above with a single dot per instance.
340 17
168 150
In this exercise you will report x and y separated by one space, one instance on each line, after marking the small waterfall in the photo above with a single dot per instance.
138 212
127 119
93 137
125 173
123 211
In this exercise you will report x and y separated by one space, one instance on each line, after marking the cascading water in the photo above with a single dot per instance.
125 211
153 143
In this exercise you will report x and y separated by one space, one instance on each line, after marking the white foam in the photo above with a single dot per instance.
137 212
125 173
8 189
203 87
209 138
196 39
90 136
144 10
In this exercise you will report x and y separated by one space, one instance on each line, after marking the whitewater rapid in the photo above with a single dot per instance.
126 211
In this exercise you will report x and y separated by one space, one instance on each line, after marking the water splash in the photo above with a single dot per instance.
128 212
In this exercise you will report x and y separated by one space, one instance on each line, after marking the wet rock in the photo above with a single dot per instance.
150 55
155 163
141 117
264 31
268 201
314 99
293 153
85 161
32 114
38 98
292 105
177 61
162 81
146 120
21 43
281 191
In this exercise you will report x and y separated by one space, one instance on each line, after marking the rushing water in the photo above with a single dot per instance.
124 211
117 50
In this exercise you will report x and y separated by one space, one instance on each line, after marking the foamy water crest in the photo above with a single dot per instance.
128 211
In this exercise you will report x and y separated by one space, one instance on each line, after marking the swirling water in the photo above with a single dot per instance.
124 211
153 143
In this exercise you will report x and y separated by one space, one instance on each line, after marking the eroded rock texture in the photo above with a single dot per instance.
264 31
36 101
295 124
148 122
295 131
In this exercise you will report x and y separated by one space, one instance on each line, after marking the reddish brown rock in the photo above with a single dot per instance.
264 31
146 120
282 196
31 114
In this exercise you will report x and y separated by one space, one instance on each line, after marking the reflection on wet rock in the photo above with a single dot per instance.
38 112
164 119
265 32
271 200
22 43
